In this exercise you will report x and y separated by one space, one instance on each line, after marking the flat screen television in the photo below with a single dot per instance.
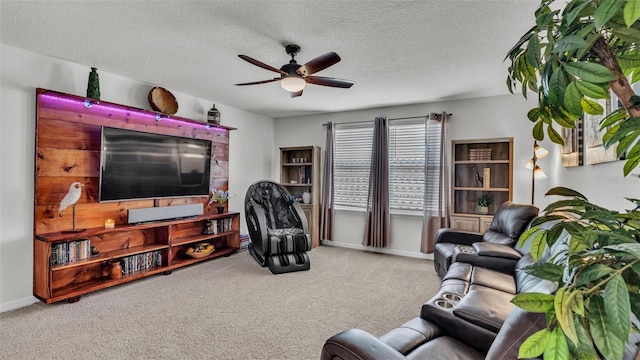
140 165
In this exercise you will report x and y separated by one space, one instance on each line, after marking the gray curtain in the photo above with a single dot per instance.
377 226
326 207
437 218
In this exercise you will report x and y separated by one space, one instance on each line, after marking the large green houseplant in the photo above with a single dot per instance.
598 276
570 58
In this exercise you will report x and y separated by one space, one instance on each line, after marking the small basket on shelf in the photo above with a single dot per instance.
198 251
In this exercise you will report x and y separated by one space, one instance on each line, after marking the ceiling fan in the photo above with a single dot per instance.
294 77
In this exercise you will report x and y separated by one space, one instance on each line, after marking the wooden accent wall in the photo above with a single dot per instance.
68 150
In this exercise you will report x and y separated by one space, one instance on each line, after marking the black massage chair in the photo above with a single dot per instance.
278 228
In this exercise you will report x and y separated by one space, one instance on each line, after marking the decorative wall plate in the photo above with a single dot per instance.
162 100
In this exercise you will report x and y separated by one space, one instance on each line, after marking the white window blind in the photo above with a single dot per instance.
407 161
352 162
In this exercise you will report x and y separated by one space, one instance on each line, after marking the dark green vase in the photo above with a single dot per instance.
93 87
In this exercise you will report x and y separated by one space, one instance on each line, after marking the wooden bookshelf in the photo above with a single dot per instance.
469 161
300 173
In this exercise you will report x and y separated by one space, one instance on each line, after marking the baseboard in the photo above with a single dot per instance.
412 254
16 304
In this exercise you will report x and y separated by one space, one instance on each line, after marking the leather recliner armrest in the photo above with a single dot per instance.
488 255
446 235
496 250
358 344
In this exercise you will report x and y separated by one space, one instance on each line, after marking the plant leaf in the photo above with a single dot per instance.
557 86
538 244
605 11
593 273
548 271
605 339
534 345
538 131
617 307
565 191
629 61
554 135
533 52
534 302
591 107
572 97
573 13
592 90
561 304
557 347
629 248
627 34
630 164
584 350
534 114
577 305
568 43
631 12
589 72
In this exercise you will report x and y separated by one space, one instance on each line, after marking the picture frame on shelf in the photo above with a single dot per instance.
595 152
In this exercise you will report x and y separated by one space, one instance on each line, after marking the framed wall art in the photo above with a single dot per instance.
572 149
595 152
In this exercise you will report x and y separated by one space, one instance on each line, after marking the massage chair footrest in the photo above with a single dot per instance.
284 263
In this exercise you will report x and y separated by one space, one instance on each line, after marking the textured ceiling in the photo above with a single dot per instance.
396 52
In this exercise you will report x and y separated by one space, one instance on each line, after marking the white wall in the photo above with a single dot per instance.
21 73
493 117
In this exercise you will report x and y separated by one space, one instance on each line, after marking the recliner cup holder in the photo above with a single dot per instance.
445 304
452 297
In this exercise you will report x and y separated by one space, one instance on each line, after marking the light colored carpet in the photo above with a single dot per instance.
228 308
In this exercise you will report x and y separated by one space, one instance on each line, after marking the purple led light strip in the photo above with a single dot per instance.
106 109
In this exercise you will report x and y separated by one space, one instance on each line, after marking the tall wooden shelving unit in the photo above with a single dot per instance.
469 161
300 172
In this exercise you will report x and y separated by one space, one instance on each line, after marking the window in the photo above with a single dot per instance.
352 162
407 143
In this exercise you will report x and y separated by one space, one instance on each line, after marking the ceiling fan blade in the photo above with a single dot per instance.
327 81
259 82
296 94
320 63
261 64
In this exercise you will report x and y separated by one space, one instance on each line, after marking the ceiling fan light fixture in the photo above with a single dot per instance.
293 83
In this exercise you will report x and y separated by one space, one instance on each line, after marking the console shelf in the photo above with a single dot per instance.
168 240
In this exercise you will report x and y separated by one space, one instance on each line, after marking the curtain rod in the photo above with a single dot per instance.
368 121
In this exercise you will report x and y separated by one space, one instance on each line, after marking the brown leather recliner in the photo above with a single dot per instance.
492 249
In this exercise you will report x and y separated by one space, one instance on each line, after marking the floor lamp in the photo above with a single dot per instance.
536 171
